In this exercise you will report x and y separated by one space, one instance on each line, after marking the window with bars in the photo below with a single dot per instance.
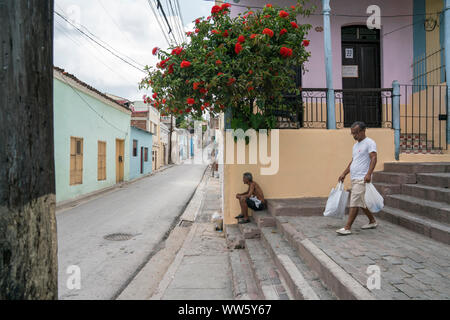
76 161
101 171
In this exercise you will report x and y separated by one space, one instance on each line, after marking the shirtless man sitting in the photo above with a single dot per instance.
253 198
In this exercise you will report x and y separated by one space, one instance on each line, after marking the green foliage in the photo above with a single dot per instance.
210 74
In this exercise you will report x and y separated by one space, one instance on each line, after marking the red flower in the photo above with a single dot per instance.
293 7
197 21
250 13
188 110
218 62
177 51
197 30
283 14
285 52
155 95
268 32
215 9
202 107
163 63
241 39
190 101
171 68
181 111
164 101
225 6
250 88
237 48
185 64
221 106
267 16
225 33
268 5
283 31
294 25
206 104
250 71
220 74
203 90
155 51
253 36
215 31
195 85
231 81
305 43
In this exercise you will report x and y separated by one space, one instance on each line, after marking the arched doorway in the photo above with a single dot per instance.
361 70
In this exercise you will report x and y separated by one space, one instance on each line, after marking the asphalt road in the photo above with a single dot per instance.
145 209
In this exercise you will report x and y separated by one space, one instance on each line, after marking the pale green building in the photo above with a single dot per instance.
92 138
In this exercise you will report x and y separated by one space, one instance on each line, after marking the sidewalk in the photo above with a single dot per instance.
200 270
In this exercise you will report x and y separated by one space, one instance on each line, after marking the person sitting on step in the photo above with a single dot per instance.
253 198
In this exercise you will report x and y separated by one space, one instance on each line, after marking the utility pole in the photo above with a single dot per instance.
170 139
28 243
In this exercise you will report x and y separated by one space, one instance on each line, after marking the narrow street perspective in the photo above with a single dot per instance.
110 237
215 158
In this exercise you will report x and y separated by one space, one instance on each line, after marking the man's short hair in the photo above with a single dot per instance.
249 176
360 124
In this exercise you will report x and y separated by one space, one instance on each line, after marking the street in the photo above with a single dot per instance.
145 209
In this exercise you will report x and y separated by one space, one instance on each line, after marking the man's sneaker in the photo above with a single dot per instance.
370 226
343 231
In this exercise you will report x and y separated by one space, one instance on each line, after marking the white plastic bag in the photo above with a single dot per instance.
337 202
374 200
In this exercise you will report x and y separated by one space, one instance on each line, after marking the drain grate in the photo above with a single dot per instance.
118 237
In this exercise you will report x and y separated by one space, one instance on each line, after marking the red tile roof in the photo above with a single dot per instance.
84 84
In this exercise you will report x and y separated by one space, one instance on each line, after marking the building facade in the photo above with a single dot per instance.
141 143
92 134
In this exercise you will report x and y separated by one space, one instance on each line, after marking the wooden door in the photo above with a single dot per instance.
120 160
142 160
361 70
76 161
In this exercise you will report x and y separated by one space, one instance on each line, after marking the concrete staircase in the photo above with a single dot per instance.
272 258
417 197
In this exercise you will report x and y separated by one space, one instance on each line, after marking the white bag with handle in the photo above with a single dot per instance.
374 200
337 202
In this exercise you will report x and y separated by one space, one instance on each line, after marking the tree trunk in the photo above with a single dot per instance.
28 244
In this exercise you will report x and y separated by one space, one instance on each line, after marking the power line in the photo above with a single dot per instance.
159 22
160 7
104 43
98 43
176 20
114 21
79 44
178 9
93 109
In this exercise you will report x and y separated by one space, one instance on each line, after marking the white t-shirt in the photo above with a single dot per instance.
361 159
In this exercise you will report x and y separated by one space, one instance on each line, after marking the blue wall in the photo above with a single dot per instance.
419 36
144 140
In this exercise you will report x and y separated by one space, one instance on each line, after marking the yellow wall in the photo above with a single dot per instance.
432 42
311 161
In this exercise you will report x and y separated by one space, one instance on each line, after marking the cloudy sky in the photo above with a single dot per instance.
127 26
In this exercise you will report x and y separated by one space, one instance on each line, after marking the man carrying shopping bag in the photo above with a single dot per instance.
361 168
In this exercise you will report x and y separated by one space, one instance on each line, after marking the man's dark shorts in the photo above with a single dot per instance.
251 204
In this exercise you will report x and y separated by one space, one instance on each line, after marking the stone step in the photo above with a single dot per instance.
250 230
387 188
417 167
438 211
427 192
303 283
440 180
334 277
393 177
427 227
268 279
243 282
263 219
234 237
296 207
